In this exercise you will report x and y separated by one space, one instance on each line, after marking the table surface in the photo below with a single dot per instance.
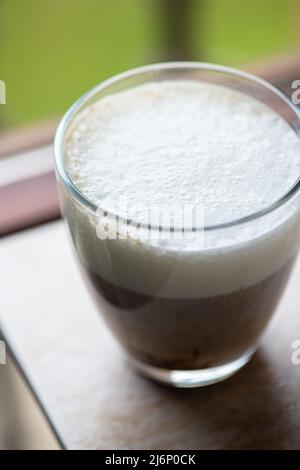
95 401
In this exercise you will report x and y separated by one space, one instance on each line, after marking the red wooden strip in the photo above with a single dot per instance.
28 202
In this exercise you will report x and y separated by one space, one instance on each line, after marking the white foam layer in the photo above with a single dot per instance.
182 143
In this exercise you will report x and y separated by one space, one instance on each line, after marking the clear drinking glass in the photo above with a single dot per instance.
174 335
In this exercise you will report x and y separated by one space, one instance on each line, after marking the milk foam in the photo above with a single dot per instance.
185 143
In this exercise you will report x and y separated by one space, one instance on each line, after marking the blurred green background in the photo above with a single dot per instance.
51 51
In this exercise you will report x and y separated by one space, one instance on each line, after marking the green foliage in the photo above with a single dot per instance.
51 51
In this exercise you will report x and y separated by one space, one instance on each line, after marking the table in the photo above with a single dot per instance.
91 396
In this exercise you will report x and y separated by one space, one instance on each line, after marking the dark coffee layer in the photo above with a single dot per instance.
189 333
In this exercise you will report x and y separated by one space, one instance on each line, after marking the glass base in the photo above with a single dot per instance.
191 378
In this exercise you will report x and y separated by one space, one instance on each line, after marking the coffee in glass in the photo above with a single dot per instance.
179 184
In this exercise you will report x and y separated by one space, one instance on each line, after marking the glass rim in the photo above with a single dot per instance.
67 119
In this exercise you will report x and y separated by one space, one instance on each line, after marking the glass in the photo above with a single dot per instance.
174 335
